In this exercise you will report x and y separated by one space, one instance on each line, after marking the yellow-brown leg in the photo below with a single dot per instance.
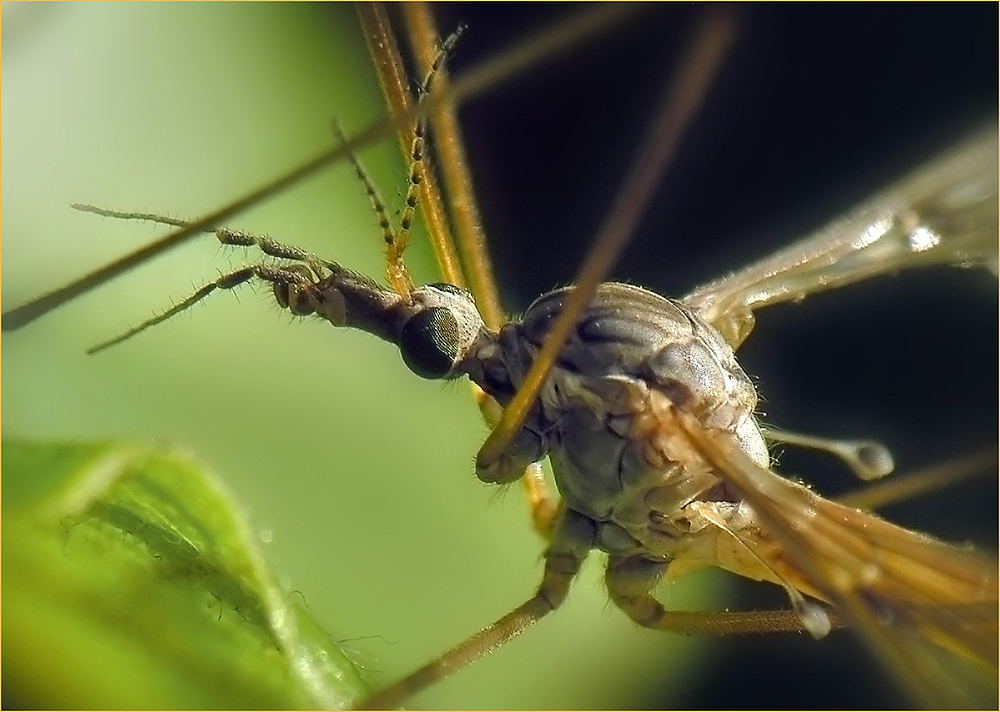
571 541
920 482
630 580
544 507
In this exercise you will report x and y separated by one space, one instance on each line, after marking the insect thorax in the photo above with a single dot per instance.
612 459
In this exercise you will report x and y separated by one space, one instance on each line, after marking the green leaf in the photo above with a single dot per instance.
131 579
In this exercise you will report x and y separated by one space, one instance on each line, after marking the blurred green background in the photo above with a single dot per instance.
357 475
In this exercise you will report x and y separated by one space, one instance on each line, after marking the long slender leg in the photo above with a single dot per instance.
630 580
453 166
572 540
676 110
915 484
419 132
395 269
543 506
395 243
388 62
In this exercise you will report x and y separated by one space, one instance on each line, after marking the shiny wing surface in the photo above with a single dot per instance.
945 213
898 589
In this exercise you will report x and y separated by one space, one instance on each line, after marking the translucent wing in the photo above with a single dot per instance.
945 213
896 588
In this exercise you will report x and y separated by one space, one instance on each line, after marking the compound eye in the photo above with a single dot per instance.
429 342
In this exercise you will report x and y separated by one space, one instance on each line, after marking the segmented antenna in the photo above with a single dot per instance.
396 242
306 271
293 282
420 130
230 280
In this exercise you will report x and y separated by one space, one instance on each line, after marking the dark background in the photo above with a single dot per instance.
816 107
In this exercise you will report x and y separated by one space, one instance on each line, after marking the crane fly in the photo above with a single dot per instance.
286 383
